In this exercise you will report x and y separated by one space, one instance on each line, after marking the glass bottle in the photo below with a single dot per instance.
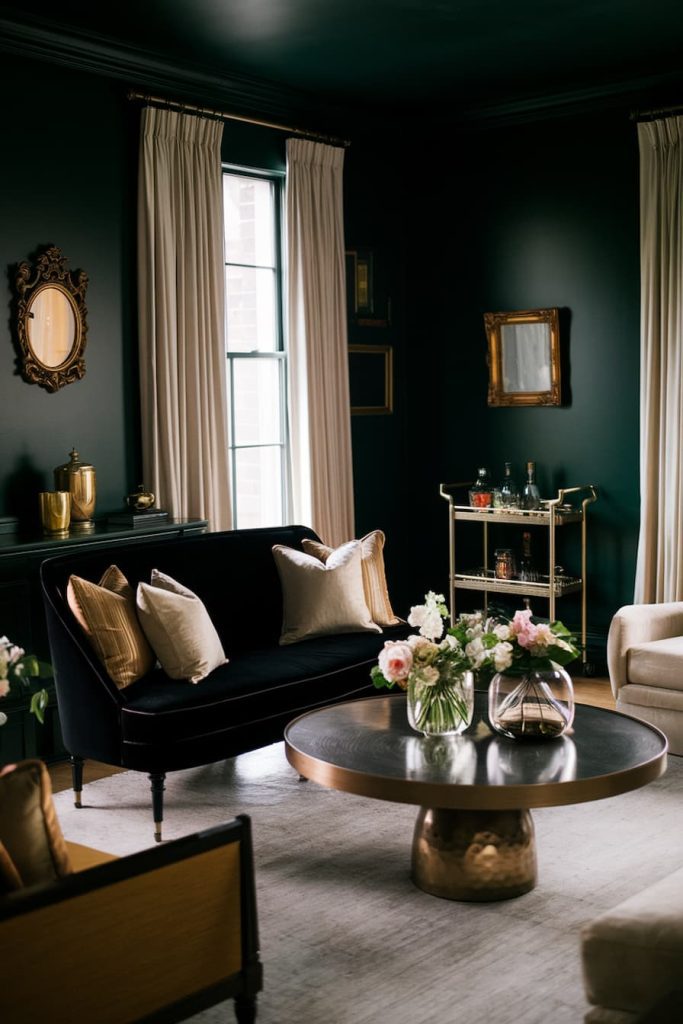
531 496
509 492
526 569
481 492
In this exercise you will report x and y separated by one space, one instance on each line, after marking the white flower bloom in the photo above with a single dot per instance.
502 631
474 631
450 642
432 625
476 652
429 675
502 656
417 615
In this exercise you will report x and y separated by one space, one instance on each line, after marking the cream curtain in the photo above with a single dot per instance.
320 423
181 311
659 572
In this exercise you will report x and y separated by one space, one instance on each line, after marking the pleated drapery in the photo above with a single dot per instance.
659 571
181 316
320 423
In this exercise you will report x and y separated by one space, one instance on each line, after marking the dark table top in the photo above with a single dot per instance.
367 747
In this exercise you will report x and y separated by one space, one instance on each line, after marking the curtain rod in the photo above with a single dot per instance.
223 115
653 115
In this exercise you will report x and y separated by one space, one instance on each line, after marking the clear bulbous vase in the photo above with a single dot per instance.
536 705
444 709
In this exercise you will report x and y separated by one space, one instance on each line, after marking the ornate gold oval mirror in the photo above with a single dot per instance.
524 357
51 320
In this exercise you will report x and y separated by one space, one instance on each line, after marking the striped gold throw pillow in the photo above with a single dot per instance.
106 613
374 578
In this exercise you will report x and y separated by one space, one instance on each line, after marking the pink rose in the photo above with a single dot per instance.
4 687
395 661
523 629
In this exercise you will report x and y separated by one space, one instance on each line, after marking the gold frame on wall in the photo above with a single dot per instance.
523 393
386 406
31 284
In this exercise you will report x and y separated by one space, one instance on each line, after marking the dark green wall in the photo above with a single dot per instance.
528 217
538 215
65 179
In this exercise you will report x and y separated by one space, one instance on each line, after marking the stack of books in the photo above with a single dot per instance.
137 517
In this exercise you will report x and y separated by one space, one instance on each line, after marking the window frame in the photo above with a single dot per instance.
279 355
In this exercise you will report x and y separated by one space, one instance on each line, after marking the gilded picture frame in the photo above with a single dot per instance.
524 358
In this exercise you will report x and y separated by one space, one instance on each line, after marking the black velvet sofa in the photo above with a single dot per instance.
157 724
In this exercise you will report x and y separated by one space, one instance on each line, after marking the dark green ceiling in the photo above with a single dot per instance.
455 53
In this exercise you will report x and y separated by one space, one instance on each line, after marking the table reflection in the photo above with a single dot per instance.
509 762
450 758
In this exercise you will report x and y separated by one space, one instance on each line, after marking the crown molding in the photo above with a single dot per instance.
95 54
572 102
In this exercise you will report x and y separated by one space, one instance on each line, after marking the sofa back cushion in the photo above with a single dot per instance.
34 850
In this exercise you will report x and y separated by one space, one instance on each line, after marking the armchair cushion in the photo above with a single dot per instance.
658 660
29 829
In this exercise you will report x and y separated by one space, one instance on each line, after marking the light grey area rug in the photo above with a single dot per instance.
345 936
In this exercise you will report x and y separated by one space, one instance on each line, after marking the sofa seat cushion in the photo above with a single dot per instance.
632 954
657 663
253 686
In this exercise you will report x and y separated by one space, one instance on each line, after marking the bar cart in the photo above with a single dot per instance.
569 508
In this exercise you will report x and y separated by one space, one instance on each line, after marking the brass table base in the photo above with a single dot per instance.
474 855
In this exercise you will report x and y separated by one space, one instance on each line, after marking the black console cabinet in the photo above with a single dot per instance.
22 619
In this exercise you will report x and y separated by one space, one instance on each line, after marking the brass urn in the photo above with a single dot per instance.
78 478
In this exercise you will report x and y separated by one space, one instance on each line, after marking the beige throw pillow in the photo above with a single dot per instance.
374 578
34 847
106 613
179 628
322 598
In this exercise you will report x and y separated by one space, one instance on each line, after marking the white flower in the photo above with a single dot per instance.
502 656
476 652
427 619
428 675
502 631
451 643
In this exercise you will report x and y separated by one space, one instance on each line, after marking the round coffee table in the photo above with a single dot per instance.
474 835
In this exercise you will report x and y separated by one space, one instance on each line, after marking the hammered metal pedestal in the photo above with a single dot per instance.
474 855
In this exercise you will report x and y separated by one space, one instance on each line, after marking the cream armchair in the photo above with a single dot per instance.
645 661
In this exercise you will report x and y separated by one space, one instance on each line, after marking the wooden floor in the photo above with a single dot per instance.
586 691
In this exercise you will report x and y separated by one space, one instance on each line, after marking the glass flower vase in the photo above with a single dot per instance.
444 708
536 705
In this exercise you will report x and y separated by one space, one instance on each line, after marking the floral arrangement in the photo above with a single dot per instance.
428 666
16 666
428 669
515 647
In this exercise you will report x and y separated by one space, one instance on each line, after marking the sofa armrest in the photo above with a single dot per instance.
168 931
639 624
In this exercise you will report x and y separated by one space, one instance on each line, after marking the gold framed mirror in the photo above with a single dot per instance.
524 357
50 320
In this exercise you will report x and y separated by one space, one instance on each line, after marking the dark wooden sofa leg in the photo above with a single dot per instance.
77 778
245 1009
157 780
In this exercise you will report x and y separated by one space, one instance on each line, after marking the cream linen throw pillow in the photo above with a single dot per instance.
106 613
374 578
179 628
322 598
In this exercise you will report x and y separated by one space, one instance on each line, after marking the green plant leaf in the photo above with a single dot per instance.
38 704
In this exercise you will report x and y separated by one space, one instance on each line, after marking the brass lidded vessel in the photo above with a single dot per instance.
78 478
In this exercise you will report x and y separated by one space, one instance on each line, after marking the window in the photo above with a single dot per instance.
255 349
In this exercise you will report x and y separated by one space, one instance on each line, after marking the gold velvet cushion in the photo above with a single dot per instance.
34 847
106 613
374 578
320 598
178 627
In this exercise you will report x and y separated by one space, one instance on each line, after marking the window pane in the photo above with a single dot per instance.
256 397
259 487
250 310
249 220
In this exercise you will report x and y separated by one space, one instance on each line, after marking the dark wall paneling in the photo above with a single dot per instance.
544 215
